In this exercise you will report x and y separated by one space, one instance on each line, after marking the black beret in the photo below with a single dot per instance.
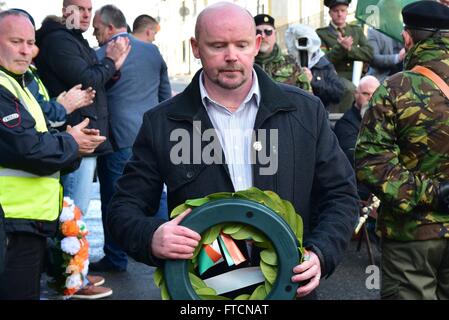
427 15
264 19
332 3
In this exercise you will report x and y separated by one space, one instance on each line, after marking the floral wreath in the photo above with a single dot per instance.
72 251
237 231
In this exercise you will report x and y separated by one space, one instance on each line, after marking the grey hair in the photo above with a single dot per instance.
15 13
111 15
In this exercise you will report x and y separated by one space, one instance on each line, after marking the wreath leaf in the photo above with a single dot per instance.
269 256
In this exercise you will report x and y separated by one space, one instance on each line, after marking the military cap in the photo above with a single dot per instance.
426 15
264 19
333 3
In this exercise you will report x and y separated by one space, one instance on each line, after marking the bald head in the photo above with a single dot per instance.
226 43
367 86
215 13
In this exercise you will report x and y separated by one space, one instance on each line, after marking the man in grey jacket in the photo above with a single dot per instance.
388 55
142 84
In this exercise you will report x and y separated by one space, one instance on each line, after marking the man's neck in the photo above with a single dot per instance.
232 99
20 78
118 32
140 36
338 26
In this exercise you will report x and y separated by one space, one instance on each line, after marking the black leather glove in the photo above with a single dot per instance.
443 197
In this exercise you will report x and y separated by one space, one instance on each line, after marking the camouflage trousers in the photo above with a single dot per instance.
415 270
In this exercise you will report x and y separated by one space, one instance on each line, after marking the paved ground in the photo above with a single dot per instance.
347 283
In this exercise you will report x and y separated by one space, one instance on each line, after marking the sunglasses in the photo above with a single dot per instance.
268 32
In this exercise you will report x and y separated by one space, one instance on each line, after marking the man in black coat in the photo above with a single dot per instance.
347 127
66 60
306 166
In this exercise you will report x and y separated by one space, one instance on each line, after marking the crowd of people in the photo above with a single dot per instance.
69 113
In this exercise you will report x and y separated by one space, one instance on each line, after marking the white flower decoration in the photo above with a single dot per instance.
70 245
67 214
74 281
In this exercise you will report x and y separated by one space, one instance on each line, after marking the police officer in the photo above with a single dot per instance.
402 156
280 67
30 161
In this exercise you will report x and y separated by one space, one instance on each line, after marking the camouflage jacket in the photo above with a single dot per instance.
283 68
342 59
402 152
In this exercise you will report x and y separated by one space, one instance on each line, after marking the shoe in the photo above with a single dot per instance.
91 292
104 266
96 281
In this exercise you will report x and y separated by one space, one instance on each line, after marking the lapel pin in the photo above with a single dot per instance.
257 146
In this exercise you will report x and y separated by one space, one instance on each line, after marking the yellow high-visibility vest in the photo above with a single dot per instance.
24 195
42 90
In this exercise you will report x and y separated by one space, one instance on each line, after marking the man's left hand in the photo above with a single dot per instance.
310 270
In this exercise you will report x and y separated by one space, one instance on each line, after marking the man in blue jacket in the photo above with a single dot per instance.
143 84
229 93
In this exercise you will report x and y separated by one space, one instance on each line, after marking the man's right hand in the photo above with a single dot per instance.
88 139
118 51
76 98
172 241
346 42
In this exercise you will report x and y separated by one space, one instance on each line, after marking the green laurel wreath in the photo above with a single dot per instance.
268 257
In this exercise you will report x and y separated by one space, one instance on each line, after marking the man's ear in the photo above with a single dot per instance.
195 49
408 40
258 43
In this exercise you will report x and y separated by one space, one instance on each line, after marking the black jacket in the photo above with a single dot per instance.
347 130
2 240
313 173
326 84
65 60
23 148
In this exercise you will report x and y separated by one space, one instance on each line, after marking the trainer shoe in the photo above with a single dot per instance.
95 280
91 292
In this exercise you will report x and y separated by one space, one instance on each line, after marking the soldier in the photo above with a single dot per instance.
402 155
280 67
343 43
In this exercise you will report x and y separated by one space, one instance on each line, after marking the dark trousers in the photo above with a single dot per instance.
110 167
24 261
415 270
